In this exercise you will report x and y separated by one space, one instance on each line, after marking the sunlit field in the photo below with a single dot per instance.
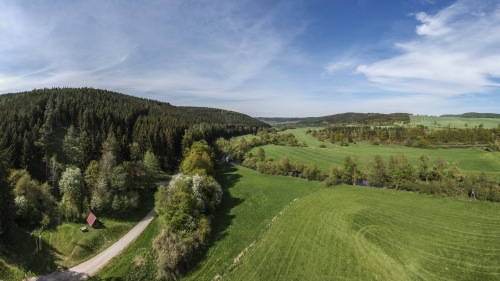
360 233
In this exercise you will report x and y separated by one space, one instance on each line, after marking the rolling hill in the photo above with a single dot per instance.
33 125
377 119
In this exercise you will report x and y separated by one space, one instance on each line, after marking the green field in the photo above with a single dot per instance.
453 122
340 233
137 255
471 160
249 203
359 233
66 246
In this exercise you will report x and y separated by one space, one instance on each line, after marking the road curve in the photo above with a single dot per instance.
91 266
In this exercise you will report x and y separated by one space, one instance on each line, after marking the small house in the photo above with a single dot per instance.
92 220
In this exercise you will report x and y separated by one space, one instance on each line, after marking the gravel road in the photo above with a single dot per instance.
91 266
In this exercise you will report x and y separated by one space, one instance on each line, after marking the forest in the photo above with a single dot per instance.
349 118
68 150
413 136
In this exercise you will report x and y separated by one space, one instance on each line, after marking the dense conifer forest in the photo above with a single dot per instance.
34 124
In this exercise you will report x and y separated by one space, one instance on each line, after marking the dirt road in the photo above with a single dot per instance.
91 266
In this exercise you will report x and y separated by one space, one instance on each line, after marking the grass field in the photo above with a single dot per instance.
471 160
138 254
249 202
66 246
359 233
453 122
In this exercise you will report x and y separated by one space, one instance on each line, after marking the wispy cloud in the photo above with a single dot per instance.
342 64
456 52
172 47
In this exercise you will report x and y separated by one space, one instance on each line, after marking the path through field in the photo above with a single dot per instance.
91 266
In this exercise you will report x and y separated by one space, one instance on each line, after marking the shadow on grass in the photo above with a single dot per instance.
222 219
21 252
227 178
99 225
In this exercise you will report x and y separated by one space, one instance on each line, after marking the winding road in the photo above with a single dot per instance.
91 266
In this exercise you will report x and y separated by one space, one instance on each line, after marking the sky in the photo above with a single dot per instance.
264 58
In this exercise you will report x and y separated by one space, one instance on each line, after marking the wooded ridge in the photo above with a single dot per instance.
33 125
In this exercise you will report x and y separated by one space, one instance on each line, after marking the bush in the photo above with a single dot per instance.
171 253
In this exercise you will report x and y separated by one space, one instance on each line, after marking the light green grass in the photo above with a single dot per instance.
132 261
359 233
471 160
65 246
251 200
300 135
453 122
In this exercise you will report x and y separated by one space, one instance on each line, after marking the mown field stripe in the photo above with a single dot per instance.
353 233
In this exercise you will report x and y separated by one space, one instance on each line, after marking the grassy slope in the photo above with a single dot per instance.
359 233
126 263
454 122
471 160
251 200
66 245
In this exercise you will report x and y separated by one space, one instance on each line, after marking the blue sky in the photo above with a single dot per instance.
263 58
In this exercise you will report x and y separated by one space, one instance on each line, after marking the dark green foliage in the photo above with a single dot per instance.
351 173
378 173
6 204
377 119
28 121
417 136
283 167
474 115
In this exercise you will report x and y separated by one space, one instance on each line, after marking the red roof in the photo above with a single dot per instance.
91 219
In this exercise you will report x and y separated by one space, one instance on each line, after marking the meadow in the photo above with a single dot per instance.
470 160
360 233
136 262
435 122
65 245
249 203
293 229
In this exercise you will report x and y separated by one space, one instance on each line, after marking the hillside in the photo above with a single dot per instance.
33 125
473 115
359 233
439 123
282 120
377 119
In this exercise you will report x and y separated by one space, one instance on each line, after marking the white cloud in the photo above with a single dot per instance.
455 53
334 67
172 47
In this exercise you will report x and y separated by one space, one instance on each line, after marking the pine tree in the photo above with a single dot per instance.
6 203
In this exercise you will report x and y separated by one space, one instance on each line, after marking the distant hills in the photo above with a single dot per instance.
378 119
474 115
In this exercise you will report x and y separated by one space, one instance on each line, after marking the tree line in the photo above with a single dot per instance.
414 136
186 207
234 149
438 177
